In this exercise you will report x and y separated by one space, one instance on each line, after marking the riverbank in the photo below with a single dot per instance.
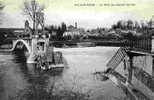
61 44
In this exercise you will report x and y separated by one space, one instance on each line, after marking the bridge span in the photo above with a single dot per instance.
33 46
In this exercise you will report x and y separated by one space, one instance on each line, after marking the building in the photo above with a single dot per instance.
73 32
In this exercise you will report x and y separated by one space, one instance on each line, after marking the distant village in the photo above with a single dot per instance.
122 30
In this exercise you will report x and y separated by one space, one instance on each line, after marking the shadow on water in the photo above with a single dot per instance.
40 83
20 59
43 85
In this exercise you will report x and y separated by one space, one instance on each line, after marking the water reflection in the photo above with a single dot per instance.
21 81
39 83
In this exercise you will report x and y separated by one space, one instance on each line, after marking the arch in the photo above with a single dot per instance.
22 41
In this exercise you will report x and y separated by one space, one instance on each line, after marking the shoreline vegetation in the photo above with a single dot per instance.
71 35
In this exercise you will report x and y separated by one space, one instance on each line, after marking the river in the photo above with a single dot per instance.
21 81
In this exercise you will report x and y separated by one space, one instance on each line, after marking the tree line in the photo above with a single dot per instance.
56 31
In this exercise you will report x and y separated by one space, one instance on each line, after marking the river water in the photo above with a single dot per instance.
21 81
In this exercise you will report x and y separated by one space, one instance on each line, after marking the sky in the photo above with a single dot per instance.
103 13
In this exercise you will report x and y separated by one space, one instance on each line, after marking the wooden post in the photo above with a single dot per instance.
153 66
152 44
130 69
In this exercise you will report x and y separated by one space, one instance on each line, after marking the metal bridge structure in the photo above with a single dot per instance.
134 50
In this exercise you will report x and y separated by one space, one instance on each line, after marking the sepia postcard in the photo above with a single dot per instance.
76 49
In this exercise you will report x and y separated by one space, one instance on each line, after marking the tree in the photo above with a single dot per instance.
137 26
119 24
32 9
130 24
63 26
60 31
114 26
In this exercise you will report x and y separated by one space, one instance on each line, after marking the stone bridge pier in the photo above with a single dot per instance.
34 46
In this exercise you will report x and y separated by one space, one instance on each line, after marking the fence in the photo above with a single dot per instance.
142 44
